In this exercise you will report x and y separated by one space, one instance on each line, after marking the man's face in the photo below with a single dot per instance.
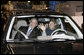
33 23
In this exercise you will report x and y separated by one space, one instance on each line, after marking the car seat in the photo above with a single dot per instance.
17 26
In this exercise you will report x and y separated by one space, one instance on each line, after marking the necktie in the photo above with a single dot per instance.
28 32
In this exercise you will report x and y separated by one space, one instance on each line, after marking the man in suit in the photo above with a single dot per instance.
30 31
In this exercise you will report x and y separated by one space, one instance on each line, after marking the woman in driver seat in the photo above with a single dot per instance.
48 31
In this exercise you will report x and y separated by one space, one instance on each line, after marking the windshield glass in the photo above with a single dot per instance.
46 28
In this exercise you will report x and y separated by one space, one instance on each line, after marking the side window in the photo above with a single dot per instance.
68 26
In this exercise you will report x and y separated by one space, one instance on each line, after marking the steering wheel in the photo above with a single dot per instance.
58 31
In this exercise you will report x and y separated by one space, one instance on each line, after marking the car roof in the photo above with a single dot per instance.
40 13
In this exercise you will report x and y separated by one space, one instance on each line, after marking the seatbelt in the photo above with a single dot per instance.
23 34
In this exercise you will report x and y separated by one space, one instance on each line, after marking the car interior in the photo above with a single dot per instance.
62 23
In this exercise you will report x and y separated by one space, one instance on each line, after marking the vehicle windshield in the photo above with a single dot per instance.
64 31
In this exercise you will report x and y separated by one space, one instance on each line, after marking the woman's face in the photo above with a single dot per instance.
51 25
